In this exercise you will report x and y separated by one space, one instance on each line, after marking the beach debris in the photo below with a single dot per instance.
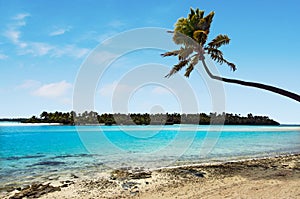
127 179
119 174
188 171
73 175
134 191
66 183
132 187
128 185
35 191
100 183
124 174
8 187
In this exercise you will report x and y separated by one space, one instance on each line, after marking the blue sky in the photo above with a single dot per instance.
43 44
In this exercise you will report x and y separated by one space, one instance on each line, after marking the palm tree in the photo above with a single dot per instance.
192 33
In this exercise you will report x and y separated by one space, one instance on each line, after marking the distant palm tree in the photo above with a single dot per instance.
192 33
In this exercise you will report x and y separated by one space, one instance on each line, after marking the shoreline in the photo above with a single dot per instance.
234 160
55 123
205 127
28 124
282 171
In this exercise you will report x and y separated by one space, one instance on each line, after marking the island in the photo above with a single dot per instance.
94 118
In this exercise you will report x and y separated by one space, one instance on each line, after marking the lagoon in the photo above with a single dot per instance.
32 151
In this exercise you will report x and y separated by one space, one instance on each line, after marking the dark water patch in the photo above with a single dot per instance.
48 163
74 156
22 157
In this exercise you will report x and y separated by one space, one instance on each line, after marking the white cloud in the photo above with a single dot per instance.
29 84
40 49
77 52
160 91
116 24
13 35
21 16
53 90
60 31
23 44
70 50
95 36
58 91
3 56
103 37
34 48
19 20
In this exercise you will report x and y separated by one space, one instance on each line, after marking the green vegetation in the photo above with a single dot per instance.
192 33
93 118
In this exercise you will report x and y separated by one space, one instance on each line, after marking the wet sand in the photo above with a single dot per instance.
276 177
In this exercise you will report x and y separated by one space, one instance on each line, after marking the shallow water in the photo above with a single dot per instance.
31 152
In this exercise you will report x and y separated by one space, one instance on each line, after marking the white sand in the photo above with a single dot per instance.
262 178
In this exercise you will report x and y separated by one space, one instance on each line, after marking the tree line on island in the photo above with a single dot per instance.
93 118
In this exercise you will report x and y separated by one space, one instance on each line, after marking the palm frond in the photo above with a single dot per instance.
184 53
219 41
217 56
195 25
199 34
177 68
192 13
183 26
213 51
200 13
182 39
231 65
179 38
191 33
204 25
191 66
172 53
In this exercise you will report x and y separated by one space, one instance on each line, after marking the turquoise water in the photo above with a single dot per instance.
28 152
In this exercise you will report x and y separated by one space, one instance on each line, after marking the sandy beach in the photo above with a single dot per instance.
274 177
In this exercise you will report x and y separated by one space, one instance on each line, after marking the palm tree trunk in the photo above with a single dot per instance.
253 84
